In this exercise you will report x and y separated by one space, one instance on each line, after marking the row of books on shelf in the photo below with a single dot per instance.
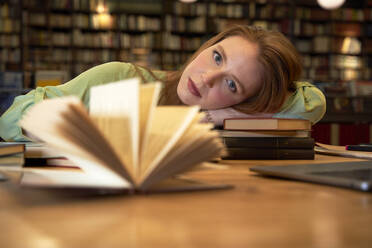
82 40
53 20
85 59
177 42
342 14
151 7
175 59
268 10
327 44
182 24
336 61
112 40
9 10
9 40
100 39
310 29
95 21
331 29
8 25
283 26
199 24
62 4
10 55
196 9
139 23
356 88
327 74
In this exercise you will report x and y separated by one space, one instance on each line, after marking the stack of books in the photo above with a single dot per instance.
11 158
267 138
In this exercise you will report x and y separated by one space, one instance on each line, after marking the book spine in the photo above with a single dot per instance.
269 142
253 153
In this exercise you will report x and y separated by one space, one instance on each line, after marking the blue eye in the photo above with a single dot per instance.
232 85
217 57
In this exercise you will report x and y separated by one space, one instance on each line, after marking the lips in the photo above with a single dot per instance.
192 88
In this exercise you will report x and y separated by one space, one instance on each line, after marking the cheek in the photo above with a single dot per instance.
222 99
198 64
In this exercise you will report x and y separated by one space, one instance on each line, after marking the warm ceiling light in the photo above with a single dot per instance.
101 7
330 4
188 1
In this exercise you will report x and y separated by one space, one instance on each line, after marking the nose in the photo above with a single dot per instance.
211 77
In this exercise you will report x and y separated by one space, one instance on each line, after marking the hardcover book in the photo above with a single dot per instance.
266 124
124 142
11 148
268 153
266 133
269 142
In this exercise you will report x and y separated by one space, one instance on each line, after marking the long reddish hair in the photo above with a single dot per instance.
278 58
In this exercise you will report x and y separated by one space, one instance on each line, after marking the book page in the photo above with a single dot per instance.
64 124
149 95
202 143
69 178
168 125
115 109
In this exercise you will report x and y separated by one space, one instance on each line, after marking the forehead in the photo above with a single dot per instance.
239 50
241 59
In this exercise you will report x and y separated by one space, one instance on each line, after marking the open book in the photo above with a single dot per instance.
340 151
124 142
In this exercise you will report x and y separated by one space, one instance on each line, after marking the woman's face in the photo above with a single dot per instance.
222 75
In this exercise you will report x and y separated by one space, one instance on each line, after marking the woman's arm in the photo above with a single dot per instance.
79 86
307 102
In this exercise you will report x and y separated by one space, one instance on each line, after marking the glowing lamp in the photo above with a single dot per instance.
330 4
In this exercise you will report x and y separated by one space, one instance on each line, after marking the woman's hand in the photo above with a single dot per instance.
217 116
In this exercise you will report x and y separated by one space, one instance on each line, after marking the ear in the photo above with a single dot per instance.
217 116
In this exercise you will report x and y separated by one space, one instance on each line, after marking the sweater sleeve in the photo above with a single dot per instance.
307 102
79 86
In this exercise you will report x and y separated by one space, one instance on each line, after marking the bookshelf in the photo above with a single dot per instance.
74 35
10 36
331 41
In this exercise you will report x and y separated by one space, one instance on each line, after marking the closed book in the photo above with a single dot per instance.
266 124
8 148
268 153
265 133
269 142
17 158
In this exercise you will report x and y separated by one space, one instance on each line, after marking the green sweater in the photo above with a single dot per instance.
307 102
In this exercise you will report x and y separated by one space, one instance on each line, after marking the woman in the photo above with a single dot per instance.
242 71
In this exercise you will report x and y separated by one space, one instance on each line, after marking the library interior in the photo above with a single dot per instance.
50 42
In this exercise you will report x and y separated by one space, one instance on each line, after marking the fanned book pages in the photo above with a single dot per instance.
125 141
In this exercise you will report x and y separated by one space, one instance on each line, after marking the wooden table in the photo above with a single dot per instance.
258 212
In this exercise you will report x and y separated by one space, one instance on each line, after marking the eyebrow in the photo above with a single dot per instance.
224 57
